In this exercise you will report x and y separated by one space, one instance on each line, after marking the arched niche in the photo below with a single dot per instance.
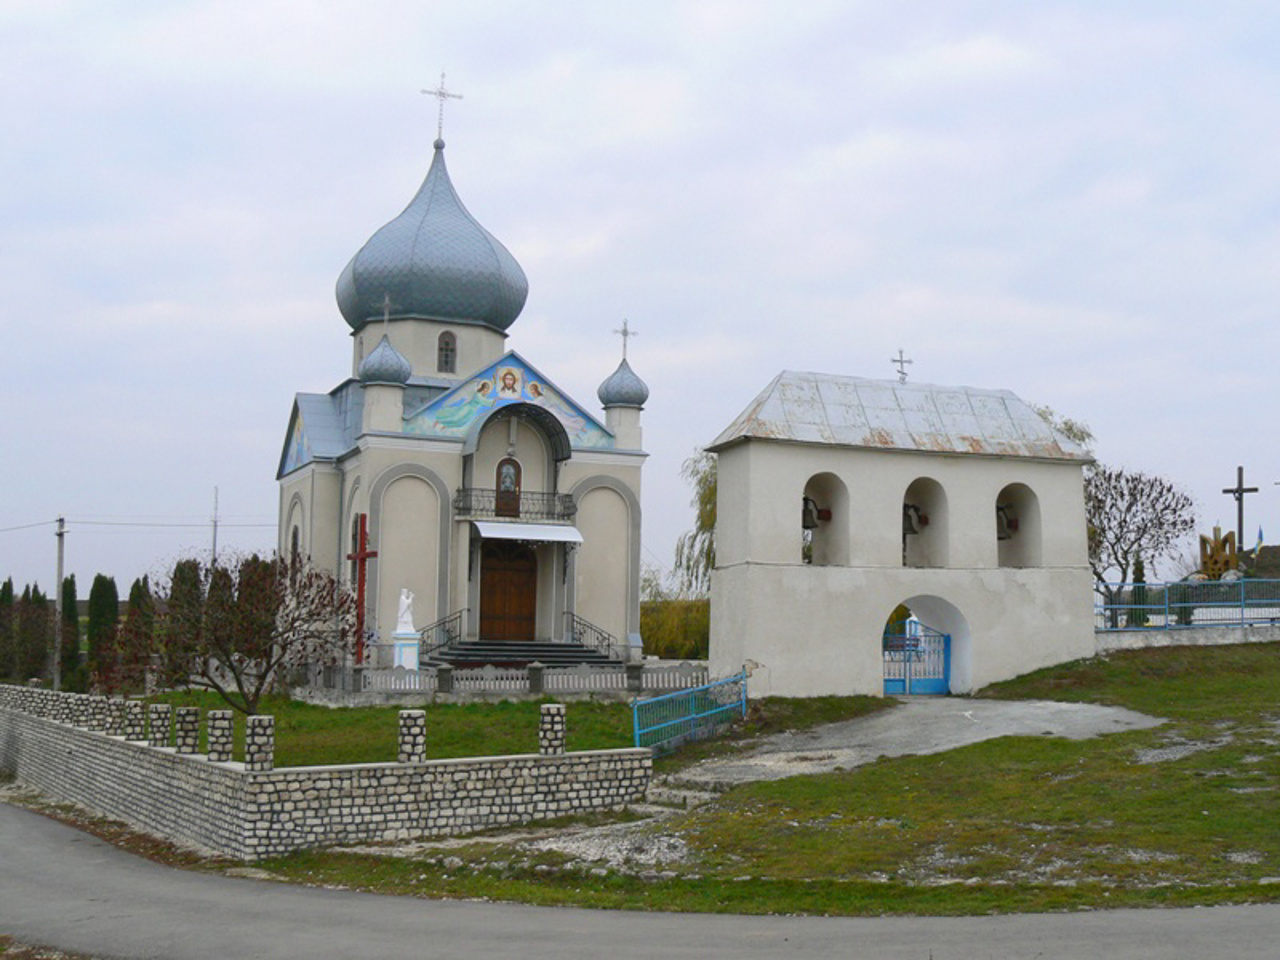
1017 527
925 524
824 520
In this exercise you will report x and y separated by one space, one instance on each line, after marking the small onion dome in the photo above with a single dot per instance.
623 388
434 262
385 364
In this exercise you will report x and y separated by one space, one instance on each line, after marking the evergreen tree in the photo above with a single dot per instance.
72 675
8 645
104 613
134 639
35 635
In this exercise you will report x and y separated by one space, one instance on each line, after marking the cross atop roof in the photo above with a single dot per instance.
626 333
441 94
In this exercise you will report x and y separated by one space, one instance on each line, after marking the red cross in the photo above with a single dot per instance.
361 555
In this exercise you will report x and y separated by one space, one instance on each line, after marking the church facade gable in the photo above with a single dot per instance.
508 381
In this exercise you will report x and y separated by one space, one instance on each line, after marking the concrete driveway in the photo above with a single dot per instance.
919 725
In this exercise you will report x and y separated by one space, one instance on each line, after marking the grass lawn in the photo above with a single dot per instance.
1188 813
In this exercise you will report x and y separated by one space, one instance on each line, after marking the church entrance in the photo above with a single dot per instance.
508 591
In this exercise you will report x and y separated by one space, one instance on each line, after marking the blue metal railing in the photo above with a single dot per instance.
1186 603
663 723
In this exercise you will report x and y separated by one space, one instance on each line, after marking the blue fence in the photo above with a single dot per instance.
1186 603
663 723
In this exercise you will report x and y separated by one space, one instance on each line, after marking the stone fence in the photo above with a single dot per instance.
144 768
444 684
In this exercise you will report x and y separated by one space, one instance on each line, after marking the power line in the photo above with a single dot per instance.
28 526
134 523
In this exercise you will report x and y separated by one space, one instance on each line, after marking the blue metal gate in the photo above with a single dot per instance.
917 660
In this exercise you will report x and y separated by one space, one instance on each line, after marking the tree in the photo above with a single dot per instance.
134 640
1132 514
235 627
8 645
34 634
104 615
69 666
696 548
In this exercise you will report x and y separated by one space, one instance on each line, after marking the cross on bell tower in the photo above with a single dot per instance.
901 362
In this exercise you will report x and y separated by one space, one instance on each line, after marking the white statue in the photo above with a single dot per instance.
404 619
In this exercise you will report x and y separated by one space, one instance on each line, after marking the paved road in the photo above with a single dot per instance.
920 725
63 888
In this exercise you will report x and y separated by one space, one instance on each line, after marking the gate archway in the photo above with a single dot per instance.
927 651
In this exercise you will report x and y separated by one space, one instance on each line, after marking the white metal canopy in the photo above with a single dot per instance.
536 532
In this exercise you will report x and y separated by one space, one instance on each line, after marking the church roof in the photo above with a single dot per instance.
434 261
886 414
385 365
623 388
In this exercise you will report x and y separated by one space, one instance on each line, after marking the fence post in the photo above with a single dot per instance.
133 720
551 730
115 718
413 736
537 681
219 736
259 743
635 676
444 678
158 727
186 737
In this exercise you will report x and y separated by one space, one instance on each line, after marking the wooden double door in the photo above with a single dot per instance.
508 590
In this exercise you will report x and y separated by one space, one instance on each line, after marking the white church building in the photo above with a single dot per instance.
451 467
841 500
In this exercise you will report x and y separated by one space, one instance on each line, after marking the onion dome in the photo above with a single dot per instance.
433 262
385 364
623 388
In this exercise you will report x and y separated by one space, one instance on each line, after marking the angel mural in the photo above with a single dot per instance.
464 409
573 424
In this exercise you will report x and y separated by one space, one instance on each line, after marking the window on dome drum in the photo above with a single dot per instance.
446 353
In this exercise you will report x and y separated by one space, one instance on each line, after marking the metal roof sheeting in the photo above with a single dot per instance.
885 414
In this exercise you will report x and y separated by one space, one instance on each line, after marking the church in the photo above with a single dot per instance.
448 481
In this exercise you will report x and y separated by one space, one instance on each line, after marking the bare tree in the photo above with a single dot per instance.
1132 515
234 628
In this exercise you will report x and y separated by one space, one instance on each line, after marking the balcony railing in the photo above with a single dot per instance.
473 502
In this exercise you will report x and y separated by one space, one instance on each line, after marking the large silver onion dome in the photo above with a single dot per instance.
436 262
623 388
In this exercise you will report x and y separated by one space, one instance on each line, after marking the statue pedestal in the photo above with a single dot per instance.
406 649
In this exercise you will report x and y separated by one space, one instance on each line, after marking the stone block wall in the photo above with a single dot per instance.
249 810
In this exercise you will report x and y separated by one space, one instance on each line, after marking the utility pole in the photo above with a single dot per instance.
57 610
215 527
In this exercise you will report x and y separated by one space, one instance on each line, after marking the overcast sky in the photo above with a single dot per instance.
1076 201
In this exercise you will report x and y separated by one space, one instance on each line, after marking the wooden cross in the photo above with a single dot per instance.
1238 491
441 94
626 333
901 361
361 555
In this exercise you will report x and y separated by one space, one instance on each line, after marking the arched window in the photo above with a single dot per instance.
446 353
824 519
507 486
1018 527
924 524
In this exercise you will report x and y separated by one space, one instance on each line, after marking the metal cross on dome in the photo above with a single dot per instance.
441 94
626 333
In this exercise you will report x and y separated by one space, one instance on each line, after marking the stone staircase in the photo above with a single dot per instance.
509 653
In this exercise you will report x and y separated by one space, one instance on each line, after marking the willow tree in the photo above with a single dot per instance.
696 548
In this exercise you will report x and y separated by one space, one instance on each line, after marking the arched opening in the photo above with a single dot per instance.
926 648
824 521
446 352
295 545
506 485
1018 536
924 524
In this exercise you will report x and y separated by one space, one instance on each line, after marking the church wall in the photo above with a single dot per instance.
311 494
817 630
418 341
761 486
408 535
530 449
603 563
